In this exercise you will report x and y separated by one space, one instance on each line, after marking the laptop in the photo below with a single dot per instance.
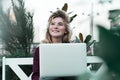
62 59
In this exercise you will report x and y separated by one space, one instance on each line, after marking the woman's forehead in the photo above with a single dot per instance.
58 19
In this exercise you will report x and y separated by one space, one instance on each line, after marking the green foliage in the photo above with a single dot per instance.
108 49
72 17
65 8
104 1
81 37
109 45
115 20
113 14
87 40
17 34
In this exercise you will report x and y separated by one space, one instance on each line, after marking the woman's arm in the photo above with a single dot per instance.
35 75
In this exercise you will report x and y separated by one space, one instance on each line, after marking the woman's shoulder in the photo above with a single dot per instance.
44 41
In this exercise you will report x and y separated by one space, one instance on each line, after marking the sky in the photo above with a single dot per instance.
81 24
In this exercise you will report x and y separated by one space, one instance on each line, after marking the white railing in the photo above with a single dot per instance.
14 62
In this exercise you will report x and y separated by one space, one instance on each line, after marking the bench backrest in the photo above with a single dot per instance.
14 63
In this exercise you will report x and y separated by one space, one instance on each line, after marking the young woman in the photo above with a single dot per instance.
58 31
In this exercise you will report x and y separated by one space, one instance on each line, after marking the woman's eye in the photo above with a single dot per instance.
60 24
52 24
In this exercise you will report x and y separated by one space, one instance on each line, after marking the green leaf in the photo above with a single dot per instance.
17 34
71 18
81 37
90 43
88 38
114 13
65 7
109 49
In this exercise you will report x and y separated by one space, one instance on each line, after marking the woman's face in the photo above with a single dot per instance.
57 27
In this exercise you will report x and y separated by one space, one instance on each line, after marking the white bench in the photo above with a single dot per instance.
14 62
102 71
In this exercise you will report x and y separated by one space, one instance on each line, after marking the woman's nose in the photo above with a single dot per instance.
55 26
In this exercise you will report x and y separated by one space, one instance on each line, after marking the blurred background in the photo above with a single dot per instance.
85 10
23 23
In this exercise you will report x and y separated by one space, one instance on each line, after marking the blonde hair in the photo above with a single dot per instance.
67 35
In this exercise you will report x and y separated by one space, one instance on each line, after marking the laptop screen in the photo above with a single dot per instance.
62 59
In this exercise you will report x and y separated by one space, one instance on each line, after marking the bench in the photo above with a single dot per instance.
14 63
